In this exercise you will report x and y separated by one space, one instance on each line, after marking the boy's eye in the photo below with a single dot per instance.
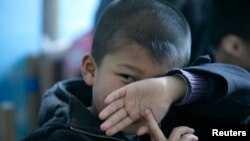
128 78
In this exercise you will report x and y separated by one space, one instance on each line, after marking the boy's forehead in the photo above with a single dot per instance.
131 50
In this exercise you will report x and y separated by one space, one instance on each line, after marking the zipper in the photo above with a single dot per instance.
94 135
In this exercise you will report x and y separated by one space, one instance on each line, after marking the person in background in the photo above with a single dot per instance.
197 14
229 33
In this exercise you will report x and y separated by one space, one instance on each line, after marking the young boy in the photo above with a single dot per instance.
225 100
132 42
135 40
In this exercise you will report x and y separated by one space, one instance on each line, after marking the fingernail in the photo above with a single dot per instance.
141 131
104 126
109 133
106 101
192 130
101 116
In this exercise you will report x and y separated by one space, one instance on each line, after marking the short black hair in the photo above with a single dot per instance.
230 17
154 24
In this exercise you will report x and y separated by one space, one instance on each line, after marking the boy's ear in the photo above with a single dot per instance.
88 69
232 45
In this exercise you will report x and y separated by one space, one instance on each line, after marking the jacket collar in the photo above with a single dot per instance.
80 119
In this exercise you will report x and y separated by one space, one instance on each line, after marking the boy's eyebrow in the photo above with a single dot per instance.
130 67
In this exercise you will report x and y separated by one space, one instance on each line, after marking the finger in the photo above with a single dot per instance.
189 137
111 108
114 119
179 131
142 130
115 95
154 129
119 126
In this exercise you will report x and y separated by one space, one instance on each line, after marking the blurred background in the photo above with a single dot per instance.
35 35
43 41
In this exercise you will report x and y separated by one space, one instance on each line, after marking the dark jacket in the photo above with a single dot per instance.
225 106
64 116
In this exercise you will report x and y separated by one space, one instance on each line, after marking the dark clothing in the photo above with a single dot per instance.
64 116
225 106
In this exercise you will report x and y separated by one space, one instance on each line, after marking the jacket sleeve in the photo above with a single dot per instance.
216 90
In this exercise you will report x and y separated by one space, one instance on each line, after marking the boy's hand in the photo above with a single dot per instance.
181 133
127 104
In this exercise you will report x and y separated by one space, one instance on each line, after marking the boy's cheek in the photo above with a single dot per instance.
99 98
98 101
104 88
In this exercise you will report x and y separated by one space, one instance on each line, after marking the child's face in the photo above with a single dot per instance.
127 65
120 68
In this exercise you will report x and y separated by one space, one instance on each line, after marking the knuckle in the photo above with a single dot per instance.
120 103
176 129
113 107
124 112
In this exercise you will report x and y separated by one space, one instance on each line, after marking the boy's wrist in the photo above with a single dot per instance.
185 89
176 88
